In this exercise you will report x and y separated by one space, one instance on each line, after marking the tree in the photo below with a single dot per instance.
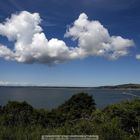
128 112
16 113
78 106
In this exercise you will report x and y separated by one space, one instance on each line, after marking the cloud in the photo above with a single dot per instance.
6 53
11 83
94 39
7 83
32 46
138 56
3 83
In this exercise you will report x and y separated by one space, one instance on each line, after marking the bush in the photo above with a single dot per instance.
78 106
19 121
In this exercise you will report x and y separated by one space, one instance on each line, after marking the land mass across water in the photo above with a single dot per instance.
116 87
123 86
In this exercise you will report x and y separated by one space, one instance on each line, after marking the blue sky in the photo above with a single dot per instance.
120 18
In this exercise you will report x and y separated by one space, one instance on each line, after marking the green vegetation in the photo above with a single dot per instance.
124 86
78 115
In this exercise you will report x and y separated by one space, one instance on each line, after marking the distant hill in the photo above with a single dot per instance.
124 86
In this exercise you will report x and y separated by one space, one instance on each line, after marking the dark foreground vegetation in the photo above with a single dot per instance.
78 116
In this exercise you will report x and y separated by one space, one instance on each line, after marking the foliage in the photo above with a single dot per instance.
128 113
78 106
77 116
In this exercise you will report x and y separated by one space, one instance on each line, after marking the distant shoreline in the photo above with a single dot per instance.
116 87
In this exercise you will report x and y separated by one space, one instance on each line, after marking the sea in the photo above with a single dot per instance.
52 97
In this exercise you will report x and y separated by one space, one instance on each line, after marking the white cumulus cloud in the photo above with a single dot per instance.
138 56
32 46
94 39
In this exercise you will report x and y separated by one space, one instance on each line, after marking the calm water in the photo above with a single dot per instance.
53 97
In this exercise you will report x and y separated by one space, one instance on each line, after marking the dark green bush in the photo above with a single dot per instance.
78 115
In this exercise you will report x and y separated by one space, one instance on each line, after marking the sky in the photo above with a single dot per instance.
69 43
